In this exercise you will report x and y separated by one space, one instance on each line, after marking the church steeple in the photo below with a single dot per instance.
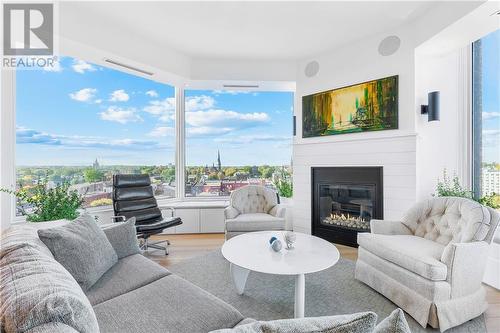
219 165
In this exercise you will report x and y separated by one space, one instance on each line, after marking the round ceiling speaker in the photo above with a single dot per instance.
389 45
312 69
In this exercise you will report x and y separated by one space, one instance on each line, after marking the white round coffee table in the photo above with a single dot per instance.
252 252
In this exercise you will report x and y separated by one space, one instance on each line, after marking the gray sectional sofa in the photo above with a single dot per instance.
38 295
135 295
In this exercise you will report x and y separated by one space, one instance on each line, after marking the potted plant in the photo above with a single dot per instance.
284 185
48 204
452 188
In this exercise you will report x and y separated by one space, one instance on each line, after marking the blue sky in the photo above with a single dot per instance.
491 97
82 111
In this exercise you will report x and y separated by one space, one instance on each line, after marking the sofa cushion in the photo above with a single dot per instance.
169 304
418 255
123 237
353 323
127 274
255 222
36 290
394 323
82 248
449 219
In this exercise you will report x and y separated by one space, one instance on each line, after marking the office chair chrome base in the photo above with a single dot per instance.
144 244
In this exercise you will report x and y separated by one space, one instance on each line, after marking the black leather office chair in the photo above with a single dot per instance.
133 196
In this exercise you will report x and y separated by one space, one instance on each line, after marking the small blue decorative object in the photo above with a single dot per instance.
276 245
272 240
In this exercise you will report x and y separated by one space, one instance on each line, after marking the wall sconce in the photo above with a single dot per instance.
432 108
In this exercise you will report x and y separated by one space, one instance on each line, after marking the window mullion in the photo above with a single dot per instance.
180 152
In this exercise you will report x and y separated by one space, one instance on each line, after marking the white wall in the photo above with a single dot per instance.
394 150
397 156
400 151
441 144
443 63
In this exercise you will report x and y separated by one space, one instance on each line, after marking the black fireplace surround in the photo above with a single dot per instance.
344 200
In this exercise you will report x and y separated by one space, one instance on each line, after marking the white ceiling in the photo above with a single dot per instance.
238 30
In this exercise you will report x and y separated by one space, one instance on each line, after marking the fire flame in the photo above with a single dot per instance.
347 217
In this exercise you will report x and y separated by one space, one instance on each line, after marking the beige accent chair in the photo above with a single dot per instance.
431 263
253 208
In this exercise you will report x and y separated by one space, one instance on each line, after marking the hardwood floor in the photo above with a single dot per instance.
191 245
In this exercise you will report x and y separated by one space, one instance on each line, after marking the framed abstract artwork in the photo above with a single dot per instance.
363 107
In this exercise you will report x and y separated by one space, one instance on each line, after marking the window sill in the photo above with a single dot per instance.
187 203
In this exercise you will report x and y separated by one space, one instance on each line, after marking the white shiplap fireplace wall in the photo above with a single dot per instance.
394 150
395 154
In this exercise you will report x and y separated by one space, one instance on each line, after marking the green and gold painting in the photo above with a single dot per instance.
369 106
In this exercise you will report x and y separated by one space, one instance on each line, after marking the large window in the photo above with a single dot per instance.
236 138
486 116
81 123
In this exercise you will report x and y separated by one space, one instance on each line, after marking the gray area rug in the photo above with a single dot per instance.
268 297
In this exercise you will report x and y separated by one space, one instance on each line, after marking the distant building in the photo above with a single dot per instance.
254 171
219 165
490 182
96 165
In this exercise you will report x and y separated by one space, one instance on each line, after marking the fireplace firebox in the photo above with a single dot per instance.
344 200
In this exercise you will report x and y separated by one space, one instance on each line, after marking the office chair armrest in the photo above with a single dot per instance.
172 210
119 218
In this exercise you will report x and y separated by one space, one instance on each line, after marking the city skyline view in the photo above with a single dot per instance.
82 111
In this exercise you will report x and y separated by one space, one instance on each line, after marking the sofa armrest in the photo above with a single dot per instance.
466 264
278 211
384 227
231 213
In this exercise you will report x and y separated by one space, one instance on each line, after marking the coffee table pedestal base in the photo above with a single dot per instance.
240 276
300 295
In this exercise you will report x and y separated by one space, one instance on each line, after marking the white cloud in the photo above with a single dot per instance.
152 93
223 118
491 138
83 95
490 115
55 68
196 103
207 131
29 136
119 96
120 115
98 101
165 109
162 131
81 66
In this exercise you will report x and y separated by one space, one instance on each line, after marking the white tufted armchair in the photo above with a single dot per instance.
431 263
253 208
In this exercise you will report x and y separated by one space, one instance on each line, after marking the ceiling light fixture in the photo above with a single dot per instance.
116 63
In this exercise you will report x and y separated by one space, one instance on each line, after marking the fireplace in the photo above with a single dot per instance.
344 200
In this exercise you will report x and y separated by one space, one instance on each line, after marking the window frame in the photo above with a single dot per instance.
8 134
